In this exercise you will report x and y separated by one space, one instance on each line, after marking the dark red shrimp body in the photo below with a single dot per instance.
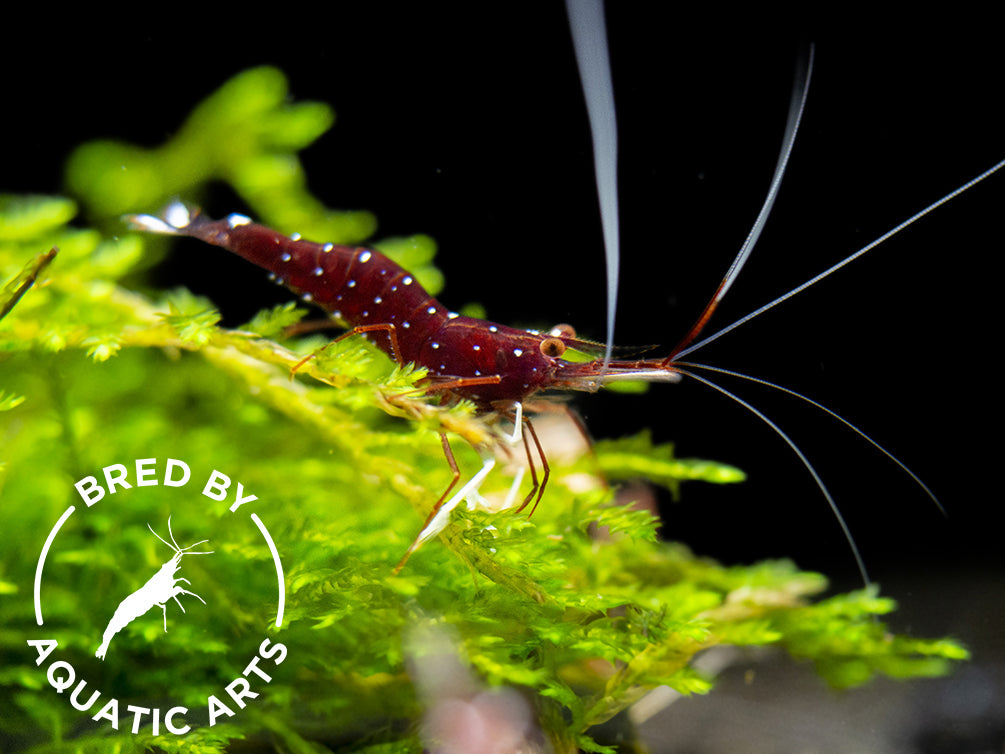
487 363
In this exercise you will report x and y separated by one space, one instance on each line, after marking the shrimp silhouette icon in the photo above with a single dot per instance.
160 588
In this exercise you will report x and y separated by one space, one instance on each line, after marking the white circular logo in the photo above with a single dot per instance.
144 604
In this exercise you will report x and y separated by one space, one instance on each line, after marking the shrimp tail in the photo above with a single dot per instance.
131 608
113 628
175 220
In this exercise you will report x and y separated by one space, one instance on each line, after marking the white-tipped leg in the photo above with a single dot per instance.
515 439
438 520
475 500
517 435
440 515
514 488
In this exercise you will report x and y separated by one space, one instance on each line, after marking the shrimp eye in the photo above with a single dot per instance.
552 347
562 331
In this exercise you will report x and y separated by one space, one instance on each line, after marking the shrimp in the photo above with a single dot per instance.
498 368
159 588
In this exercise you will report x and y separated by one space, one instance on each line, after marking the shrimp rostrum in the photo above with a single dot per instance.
158 589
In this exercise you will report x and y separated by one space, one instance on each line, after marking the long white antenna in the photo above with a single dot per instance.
589 37
797 105
822 407
850 258
805 461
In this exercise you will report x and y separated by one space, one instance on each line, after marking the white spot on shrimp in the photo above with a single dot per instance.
493 328
518 352
327 247
378 300
337 314
234 220
478 373
365 256
431 310
406 325
307 297
452 315
443 367
295 237
407 280
272 276
351 284
476 348
394 288
435 345
318 272
366 314
286 257
280 281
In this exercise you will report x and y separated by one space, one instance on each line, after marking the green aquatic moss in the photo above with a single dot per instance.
346 461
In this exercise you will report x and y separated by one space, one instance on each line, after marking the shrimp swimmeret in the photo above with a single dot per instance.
161 587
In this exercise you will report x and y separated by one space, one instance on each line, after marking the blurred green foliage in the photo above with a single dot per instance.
581 608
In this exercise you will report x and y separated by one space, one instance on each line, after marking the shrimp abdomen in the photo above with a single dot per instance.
356 285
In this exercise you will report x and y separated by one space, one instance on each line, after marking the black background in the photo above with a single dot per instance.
468 124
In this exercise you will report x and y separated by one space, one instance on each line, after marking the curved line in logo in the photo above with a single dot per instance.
41 563
279 568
